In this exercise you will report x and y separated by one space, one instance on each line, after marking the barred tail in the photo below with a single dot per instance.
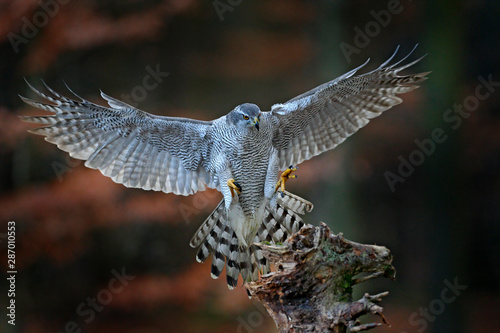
216 237
207 226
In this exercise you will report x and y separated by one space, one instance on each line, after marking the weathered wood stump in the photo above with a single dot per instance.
311 287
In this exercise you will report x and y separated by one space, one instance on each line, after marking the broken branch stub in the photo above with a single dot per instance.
311 289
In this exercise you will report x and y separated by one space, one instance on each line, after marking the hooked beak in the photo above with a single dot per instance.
256 123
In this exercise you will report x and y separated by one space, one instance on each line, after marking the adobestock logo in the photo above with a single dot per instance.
29 29
222 6
200 202
253 320
437 306
89 308
454 118
372 29
150 81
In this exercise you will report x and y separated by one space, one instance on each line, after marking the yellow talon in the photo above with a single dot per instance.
287 174
233 186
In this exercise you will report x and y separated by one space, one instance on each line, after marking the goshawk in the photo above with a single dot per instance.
239 154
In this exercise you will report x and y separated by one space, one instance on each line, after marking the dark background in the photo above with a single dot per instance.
75 228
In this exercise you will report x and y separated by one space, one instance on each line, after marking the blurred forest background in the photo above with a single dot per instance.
77 230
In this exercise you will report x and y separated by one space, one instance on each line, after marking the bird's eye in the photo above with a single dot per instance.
245 117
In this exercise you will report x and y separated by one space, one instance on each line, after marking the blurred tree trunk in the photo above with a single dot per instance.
444 20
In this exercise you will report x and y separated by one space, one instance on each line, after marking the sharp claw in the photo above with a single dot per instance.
233 186
287 174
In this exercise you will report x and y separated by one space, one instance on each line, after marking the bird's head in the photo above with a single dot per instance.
245 116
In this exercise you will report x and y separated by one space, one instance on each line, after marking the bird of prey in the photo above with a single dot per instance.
240 154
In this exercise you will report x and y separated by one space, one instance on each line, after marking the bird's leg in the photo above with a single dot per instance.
287 174
233 186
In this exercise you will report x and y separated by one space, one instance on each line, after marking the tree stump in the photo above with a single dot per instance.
311 289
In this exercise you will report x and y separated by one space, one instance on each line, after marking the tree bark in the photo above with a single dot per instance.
311 289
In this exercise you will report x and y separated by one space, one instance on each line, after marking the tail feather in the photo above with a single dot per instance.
233 264
261 262
252 262
263 234
288 219
280 223
276 230
207 226
204 251
222 251
216 237
245 264
210 242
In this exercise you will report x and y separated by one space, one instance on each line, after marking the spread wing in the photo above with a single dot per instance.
324 117
132 147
